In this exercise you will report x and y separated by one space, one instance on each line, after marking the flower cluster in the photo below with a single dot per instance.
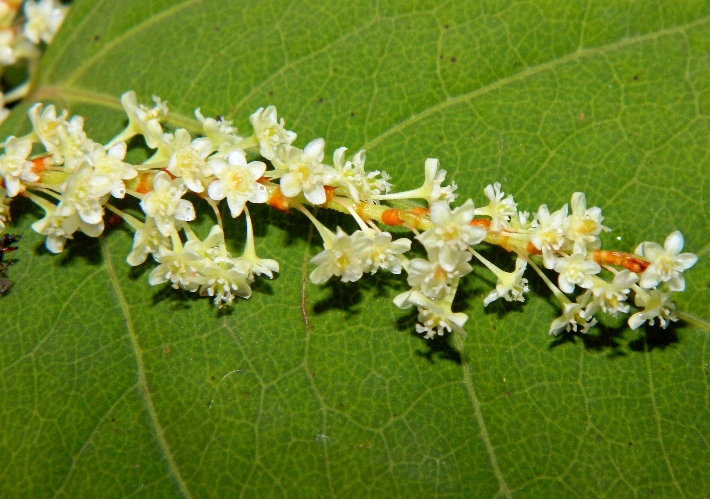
76 180
22 38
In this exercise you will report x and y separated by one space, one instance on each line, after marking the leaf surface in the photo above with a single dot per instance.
110 385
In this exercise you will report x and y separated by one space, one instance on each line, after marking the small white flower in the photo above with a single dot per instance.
83 193
657 305
667 262
46 125
164 204
108 165
143 120
188 160
14 167
452 232
58 229
433 177
146 241
429 277
270 132
584 225
237 181
177 266
500 210
43 20
548 233
611 297
343 257
221 133
511 285
351 175
73 145
576 269
573 318
225 279
382 253
435 316
302 171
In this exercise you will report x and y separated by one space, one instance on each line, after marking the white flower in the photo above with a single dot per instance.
237 181
164 203
43 20
14 167
143 120
433 177
452 232
58 229
548 233
510 285
108 165
46 125
435 316
222 276
500 210
572 318
73 145
351 175
177 266
667 263
270 132
146 240
222 134
431 279
7 47
382 253
611 297
256 265
657 305
584 225
188 160
576 269
83 193
343 257
302 171
225 279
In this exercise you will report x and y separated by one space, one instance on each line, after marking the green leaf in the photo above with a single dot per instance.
111 387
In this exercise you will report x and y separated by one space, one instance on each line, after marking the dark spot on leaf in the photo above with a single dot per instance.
113 420
440 137
320 99
446 26
441 56
630 444
219 117
271 92
352 113
509 393
313 375
97 38
247 393
453 59
636 77
212 378
166 349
